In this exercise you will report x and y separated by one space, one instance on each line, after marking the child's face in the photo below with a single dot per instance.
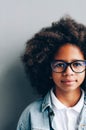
68 80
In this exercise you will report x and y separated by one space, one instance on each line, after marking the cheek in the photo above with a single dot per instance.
81 77
56 77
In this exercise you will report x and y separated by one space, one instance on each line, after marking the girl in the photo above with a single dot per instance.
55 61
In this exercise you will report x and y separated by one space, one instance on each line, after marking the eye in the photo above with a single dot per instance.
77 64
58 65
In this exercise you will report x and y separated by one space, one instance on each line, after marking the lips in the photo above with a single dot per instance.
69 82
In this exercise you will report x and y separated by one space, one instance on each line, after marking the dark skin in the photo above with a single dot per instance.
67 84
41 48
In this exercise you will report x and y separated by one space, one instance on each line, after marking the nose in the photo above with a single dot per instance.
68 71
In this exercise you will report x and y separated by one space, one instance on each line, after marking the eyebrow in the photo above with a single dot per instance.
69 61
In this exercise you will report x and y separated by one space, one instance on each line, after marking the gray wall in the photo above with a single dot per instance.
19 20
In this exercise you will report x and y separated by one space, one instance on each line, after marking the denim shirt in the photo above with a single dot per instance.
39 116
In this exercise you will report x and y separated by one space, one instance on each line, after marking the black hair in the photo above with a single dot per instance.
41 48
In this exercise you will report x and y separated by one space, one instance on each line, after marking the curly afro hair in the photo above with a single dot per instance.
40 50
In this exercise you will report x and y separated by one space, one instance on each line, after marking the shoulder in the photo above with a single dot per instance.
34 105
30 112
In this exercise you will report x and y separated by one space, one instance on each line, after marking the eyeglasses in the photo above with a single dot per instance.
60 66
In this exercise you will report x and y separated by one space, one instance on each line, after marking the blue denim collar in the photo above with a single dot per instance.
46 102
85 99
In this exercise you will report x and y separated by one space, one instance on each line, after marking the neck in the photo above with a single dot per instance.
69 99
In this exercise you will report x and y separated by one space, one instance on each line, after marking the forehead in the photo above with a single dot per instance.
69 52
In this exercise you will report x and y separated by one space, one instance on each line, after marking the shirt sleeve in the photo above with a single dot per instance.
24 121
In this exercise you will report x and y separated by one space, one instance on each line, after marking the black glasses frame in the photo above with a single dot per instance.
68 64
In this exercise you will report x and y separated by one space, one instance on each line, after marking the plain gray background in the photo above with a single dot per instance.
19 21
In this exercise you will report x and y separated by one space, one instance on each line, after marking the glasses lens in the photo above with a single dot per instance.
78 66
58 66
